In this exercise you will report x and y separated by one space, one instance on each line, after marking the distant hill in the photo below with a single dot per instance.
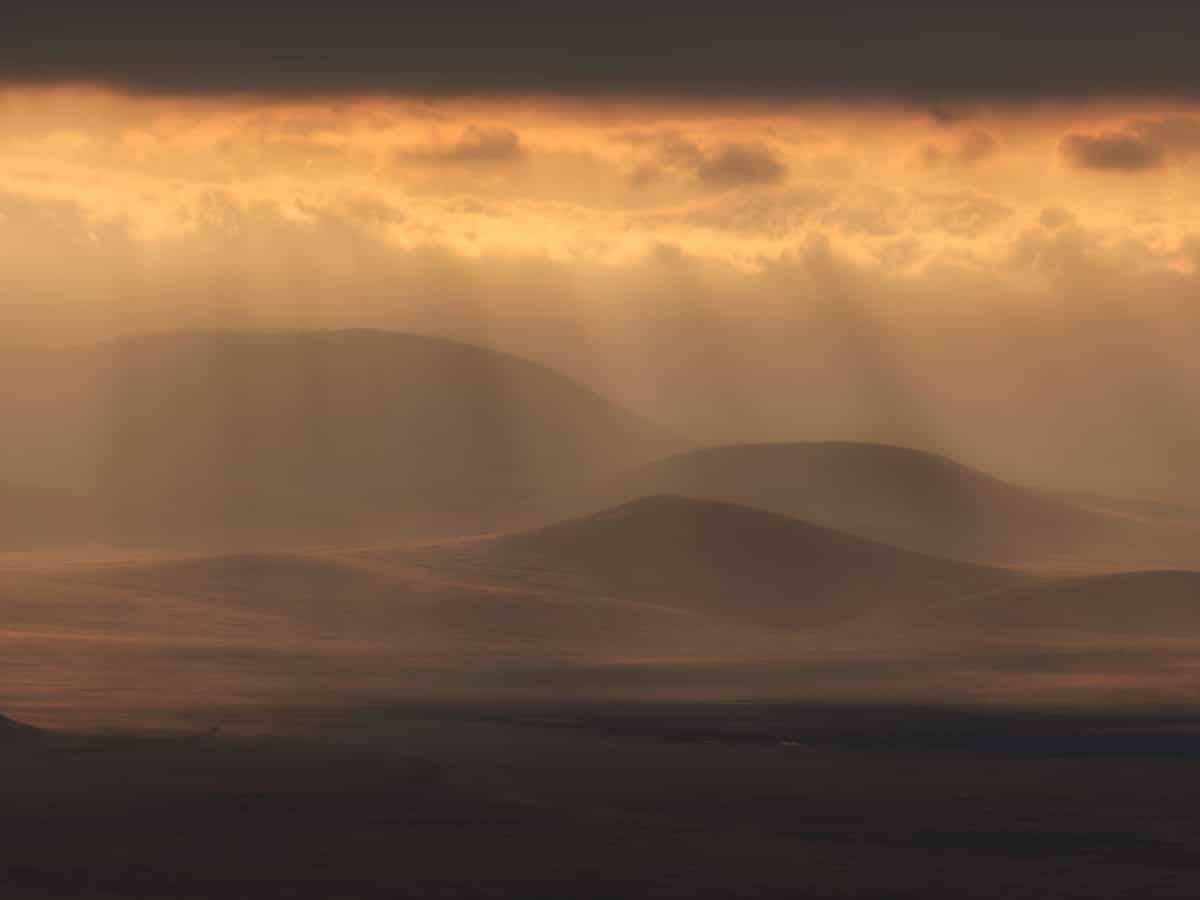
739 563
661 575
449 612
1163 535
1126 604
314 590
689 597
1153 510
908 498
233 438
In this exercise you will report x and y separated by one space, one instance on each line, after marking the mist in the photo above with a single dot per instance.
1076 383
968 285
598 491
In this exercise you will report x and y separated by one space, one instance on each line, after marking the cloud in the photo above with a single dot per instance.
964 214
725 165
1143 145
645 175
932 53
737 165
668 148
949 114
476 145
1178 136
971 148
875 213
772 214
1112 152
1055 217
975 146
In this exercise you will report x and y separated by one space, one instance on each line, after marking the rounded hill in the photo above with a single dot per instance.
909 498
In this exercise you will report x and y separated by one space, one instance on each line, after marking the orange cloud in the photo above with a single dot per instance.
1141 146
476 145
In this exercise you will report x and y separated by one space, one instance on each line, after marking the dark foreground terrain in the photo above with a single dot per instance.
589 801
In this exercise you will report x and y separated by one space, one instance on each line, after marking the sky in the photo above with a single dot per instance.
964 227
700 48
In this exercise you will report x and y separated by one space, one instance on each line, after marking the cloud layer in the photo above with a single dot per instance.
924 52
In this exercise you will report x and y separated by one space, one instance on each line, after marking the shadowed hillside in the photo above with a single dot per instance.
903 497
1161 603
450 614
664 597
756 567
662 577
310 591
228 438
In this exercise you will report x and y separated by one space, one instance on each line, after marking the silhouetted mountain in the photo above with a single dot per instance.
758 567
902 497
11 730
331 436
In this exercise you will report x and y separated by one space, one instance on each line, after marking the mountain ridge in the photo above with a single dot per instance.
726 558
909 498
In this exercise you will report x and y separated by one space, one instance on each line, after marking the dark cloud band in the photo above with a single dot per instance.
927 53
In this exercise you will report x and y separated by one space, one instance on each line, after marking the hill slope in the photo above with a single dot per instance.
756 567
328 436
665 596
1128 604
450 615
903 497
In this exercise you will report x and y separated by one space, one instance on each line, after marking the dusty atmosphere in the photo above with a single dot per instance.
659 450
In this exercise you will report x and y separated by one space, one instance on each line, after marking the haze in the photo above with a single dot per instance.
672 450
1012 284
